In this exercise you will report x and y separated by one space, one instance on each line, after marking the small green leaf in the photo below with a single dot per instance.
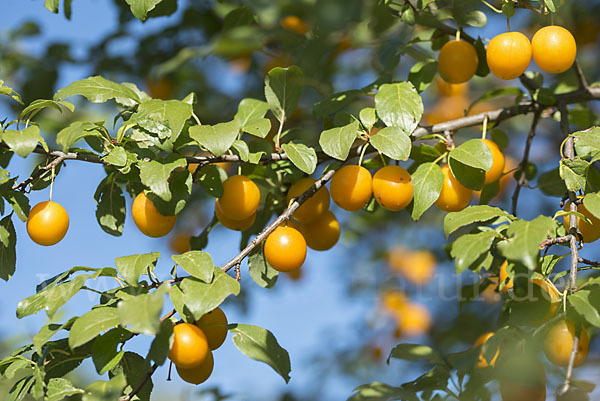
592 204
174 112
392 142
90 325
104 350
524 239
336 142
161 345
133 266
211 178
22 142
416 352
110 209
574 173
474 153
427 183
98 90
586 304
156 175
260 270
472 214
283 87
301 156
197 263
468 248
135 369
60 388
200 297
250 110
368 117
422 73
399 105
74 132
216 138
377 391
261 345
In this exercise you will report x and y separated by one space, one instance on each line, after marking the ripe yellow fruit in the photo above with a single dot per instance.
558 344
315 206
554 49
294 24
351 187
497 162
457 61
285 249
200 373
190 346
453 196
509 55
321 234
148 219
240 198
589 232
481 361
236 225
180 243
214 326
392 187
47 223
413 319
416 266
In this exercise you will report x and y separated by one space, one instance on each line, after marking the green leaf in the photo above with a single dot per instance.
135 369
250 110
422 73
216 138
586 304
90 325
471 177
399 105
377 391
142 313
105 390
336 142
472 214
141 8
551 184
110 208
574 173
261 345
392 142
427 183
133 266
40 104
47 332
155 175
197 263
283 87
52 299
104 350
161 345
22 142
5 90
117 157
524 239
174 112
468 248
60 388
301 156
211 178
467 13
200 297
19 202
587 142
259 127
551 6
260 270
416 352
474 153
592 204
74 132
241 149
8 243
368 117
98 90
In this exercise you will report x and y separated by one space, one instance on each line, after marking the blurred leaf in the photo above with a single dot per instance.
142 312
399 105
216 138
261 345
260 270
336 142
427 182
197 263
283 87
381 392
105 390
422 73
98 90
91 324
392 142
587 305
592 204
551 184
416 352
302 156
60 388
133 266
5 90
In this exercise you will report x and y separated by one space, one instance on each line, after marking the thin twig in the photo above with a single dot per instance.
554 241
583 83
283 217
522 178
589 262
22 186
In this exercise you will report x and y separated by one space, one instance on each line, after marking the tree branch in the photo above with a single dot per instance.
283 217
522 178
22 186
